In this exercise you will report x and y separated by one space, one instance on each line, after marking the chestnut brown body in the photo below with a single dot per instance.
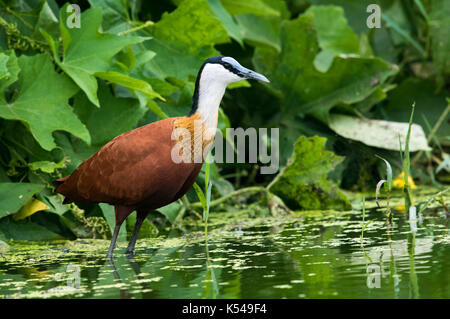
134 171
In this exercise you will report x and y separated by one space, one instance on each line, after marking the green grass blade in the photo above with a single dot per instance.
403 33
421 9
406 162
200 195
207 170
364 207
388 172
368 223
208 200
377 191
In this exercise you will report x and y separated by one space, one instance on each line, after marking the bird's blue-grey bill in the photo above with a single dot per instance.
256 76
249 74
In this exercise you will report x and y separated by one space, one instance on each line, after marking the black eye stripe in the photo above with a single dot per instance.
230 68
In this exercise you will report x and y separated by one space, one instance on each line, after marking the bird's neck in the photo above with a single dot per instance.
208 104
202 121
207 97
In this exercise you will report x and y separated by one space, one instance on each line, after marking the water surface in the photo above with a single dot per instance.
304 255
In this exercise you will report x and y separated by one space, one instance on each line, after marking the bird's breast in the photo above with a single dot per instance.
195 134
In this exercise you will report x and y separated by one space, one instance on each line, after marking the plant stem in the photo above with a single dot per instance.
142 26
364 217
14 13
406 164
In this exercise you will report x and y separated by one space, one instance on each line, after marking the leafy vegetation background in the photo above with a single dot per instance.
64 92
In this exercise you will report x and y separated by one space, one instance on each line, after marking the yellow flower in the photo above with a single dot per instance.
399 181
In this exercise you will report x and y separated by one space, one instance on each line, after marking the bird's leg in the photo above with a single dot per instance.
121 213
113 240
137 227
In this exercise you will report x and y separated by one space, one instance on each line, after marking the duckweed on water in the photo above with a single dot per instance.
311 254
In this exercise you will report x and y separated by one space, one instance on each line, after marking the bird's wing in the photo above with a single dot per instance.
129 168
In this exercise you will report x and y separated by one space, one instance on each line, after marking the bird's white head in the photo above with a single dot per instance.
226 70
212 79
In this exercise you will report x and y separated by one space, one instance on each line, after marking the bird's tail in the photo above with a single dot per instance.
58 182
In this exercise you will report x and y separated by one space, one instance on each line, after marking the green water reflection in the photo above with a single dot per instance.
312 255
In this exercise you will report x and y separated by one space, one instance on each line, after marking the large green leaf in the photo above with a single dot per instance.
180 54
15 195
306 90
115 15
258 30
129 82
356 11
260 21
381 39
115 116
303 183
42 101
170 211
124 72
256 7
227 20
87 51
200 27
333 34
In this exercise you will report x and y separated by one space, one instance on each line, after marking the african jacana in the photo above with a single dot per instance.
135 170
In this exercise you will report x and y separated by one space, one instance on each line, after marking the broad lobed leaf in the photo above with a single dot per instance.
42 102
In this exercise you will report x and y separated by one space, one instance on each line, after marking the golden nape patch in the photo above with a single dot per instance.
199 133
